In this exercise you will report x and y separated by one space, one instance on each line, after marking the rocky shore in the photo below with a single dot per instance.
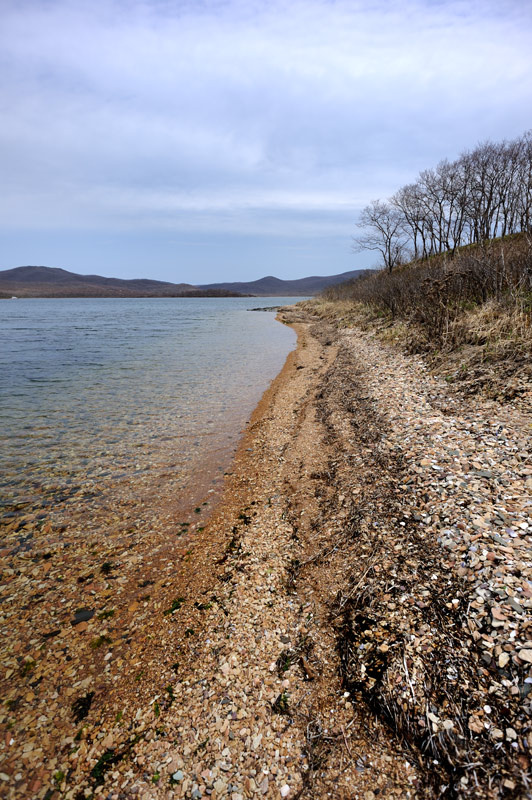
352 621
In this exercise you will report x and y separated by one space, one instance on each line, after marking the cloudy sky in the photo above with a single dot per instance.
204 140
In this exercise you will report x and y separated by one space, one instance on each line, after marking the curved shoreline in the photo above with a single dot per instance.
297 647
252 671
124 649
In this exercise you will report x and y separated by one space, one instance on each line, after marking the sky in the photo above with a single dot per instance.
210 140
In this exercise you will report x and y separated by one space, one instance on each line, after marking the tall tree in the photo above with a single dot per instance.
485 193
383 231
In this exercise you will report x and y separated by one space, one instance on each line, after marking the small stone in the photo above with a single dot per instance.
285 790
516 607
177 776
82 615
525 655
264 785
498 613
81 627
475 725
503 659
108 741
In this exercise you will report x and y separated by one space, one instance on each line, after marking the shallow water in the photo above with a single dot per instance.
136 399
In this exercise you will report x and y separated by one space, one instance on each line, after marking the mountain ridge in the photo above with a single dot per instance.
41 281
269 285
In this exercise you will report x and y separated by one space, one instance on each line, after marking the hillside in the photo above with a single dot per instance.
275 287
54 282
469 313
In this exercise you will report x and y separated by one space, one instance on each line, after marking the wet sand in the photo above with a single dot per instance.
283 648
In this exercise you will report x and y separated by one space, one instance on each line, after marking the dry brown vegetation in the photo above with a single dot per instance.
471 313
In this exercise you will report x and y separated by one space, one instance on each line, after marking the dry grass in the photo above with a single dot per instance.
471 315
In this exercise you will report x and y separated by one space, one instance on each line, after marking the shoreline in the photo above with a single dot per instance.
334 599
30 761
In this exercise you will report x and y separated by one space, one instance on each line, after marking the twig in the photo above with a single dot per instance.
408 678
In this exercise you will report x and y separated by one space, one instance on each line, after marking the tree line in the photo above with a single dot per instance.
483 194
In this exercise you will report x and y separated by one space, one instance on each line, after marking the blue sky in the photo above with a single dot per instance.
230 139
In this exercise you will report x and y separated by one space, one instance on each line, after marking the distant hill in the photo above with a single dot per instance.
275 287
54 282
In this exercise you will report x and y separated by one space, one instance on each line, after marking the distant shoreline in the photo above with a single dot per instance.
54 282
95 296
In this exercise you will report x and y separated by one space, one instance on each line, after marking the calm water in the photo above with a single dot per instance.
125 397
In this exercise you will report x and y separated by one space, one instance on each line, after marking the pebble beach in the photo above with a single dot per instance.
349 617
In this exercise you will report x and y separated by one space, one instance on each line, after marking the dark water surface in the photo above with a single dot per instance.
129 398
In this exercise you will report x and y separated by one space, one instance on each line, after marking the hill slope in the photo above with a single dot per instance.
54 282
275 287
470 313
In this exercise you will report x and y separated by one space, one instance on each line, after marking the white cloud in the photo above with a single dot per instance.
132 112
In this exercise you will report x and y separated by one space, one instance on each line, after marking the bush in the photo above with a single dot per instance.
434 293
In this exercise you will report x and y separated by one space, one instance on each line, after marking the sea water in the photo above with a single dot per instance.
135 403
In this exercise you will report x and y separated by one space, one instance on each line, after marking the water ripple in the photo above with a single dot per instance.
113 388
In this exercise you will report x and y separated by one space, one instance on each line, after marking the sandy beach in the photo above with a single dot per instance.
350 621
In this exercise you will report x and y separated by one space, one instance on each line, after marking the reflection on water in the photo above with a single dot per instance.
126 398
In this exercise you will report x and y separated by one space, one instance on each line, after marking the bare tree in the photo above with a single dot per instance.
524 179
485 193
382 230
409 204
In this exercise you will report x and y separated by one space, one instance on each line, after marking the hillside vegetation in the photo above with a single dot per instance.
471 313
456 280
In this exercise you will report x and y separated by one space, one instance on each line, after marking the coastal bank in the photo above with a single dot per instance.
352 621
